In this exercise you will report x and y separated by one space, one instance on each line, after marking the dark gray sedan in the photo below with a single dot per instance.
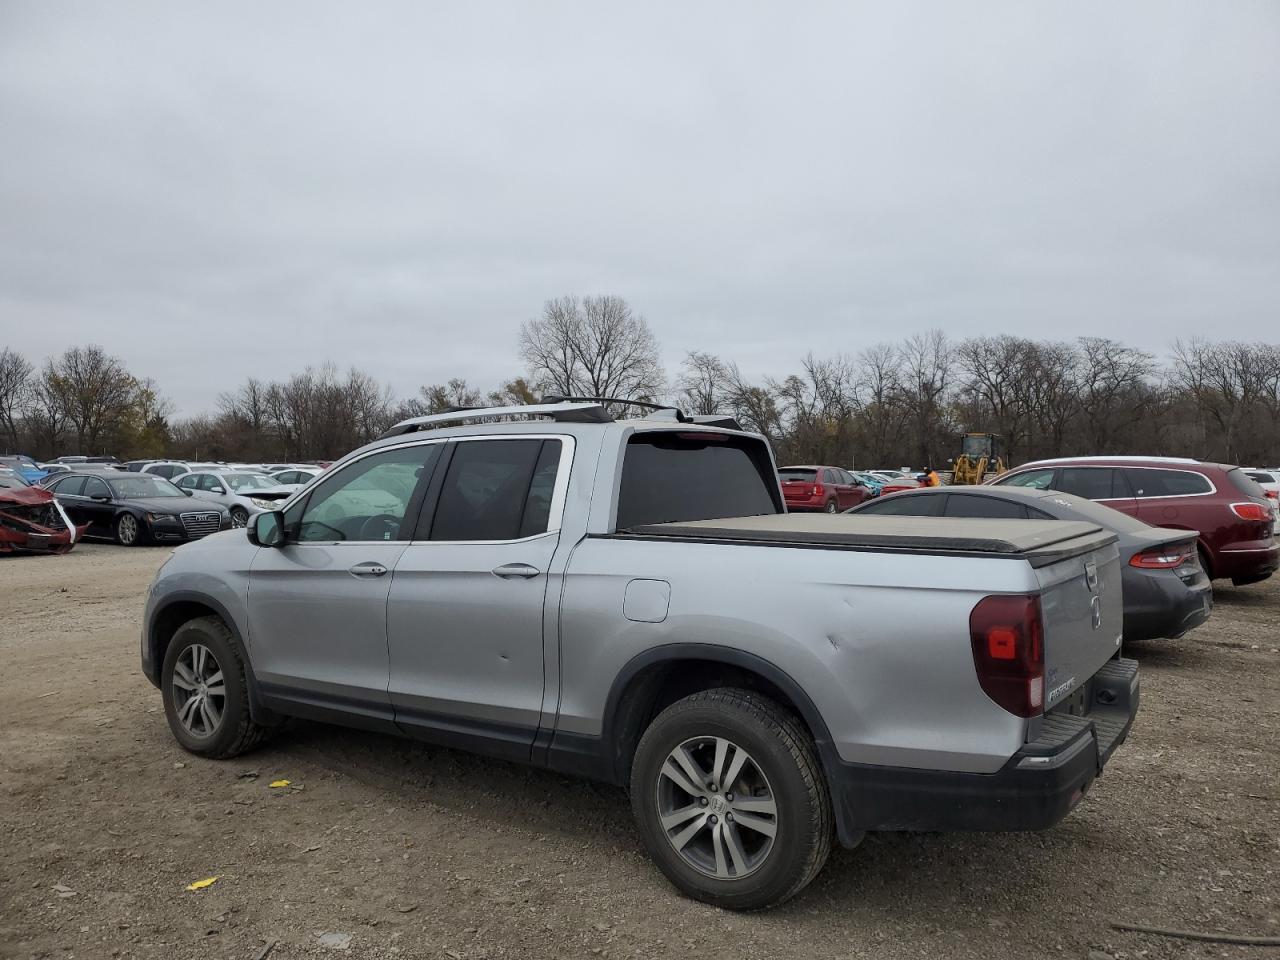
1166 591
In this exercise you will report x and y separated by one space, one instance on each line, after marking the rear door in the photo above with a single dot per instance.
465 617
1162 494
1083 610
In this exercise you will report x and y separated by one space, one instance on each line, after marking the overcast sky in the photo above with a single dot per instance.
219 190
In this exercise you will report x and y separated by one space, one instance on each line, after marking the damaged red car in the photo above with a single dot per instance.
31 519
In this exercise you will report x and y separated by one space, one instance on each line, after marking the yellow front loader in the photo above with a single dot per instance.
981 457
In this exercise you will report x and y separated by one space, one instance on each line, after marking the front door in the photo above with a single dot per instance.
97 507
318 604
466 615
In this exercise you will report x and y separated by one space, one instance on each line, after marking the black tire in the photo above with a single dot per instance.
235 733
783 751
1204 561
128 530
831 507
239 517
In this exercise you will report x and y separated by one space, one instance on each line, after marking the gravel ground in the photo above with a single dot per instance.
403 850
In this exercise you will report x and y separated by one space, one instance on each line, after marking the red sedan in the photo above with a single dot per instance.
828 489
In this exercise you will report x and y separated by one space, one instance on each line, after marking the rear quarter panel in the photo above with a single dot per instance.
878 641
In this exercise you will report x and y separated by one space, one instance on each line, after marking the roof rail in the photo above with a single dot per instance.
669 408
563 412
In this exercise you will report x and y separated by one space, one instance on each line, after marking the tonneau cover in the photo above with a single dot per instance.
1040 541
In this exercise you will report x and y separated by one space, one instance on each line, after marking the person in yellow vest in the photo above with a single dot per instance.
931 478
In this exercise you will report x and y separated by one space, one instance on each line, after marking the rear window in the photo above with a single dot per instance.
796 475
1246 484
1177 483
669 477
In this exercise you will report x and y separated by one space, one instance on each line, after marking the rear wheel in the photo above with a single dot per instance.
1204 561
128 533
830 507
730 799
239 517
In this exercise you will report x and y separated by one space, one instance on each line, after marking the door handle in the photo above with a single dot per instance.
513 571
370 568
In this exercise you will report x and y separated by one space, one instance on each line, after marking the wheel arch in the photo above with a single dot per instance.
183 607
653 680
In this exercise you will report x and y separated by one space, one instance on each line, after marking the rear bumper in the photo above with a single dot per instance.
1247 562
1039 785
1159 604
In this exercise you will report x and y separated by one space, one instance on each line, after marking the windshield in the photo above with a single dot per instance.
249 481
143 485
8 479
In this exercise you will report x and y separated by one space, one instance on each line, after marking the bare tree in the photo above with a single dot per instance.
594 346
703 383
15 392
927 361
1111 380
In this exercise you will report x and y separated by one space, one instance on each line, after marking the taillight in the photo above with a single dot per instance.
1251 511
1162 558
1007 634
1273 494
818 490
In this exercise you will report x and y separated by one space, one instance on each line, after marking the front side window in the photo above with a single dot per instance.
190 481
367 499
1035 479
497 490
93 487
1167 483
910 505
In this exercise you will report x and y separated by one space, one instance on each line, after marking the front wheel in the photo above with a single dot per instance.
730 799
128 533
239 517
205 691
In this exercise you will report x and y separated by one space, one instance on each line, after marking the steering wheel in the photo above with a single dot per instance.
383 526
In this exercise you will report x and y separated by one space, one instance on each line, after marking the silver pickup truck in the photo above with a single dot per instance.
628 600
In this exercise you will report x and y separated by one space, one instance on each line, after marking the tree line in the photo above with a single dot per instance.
889 404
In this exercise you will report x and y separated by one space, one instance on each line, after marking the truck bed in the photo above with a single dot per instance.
1039 542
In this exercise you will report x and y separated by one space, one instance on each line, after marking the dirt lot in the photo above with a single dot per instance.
420 852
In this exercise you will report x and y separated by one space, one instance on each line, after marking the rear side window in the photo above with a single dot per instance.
915 505
671 476
1177 483
1036 479
71 486
974 505
497 490
1247 483
1092 483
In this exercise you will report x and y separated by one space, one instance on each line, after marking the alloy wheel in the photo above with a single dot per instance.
127 529
199 693
239 518
716 808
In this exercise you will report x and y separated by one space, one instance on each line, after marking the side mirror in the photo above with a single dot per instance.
100 497
218 490
187 491
267 529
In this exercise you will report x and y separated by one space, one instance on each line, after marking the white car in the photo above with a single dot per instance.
242 492
1269 481
298 475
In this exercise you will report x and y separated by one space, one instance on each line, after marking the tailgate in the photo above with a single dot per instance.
1083 610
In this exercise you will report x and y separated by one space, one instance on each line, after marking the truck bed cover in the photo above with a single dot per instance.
1040 542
